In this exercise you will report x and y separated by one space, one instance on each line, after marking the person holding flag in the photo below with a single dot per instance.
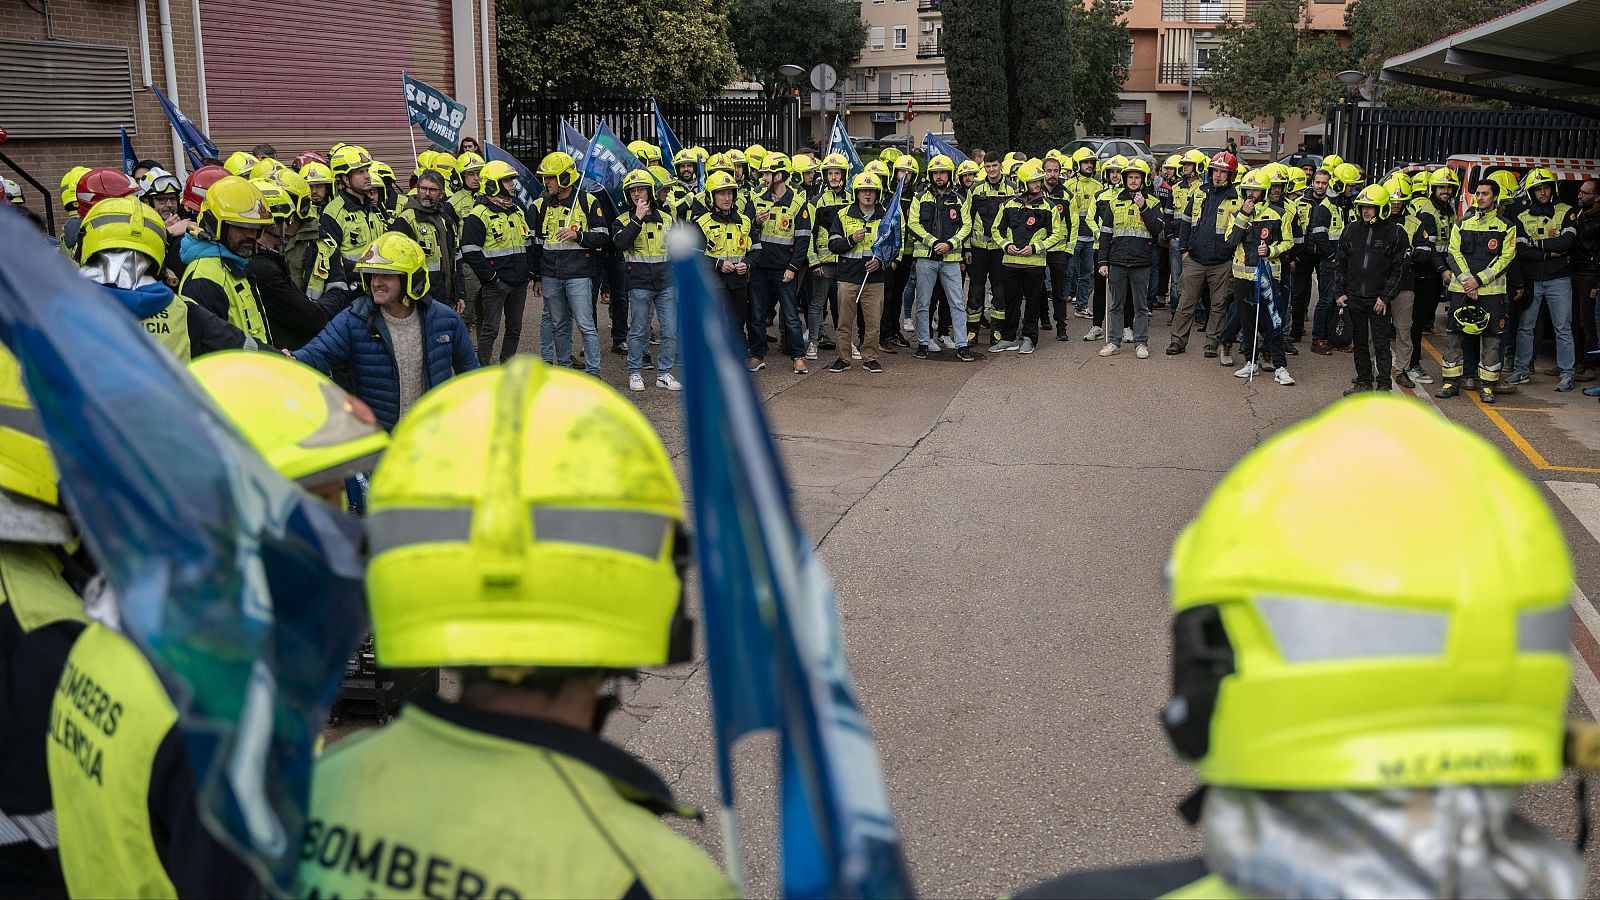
569 230
1259 231
535 614
854 236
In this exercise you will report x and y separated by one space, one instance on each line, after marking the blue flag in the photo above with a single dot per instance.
603 160
665 139
243 591
196 146
439 114
887 245
130 160
934 146
773 644
528 187
1265 292
839 142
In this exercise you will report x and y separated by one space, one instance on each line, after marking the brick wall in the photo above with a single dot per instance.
104 22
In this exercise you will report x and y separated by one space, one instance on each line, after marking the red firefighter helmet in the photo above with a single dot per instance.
200 181
103 184
1226 161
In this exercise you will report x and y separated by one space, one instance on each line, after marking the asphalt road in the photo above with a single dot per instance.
997 532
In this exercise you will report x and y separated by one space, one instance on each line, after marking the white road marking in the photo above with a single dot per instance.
1583 499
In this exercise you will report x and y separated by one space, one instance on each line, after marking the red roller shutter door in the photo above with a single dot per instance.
289 74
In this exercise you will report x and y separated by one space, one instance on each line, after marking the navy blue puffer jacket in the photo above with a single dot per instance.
359 337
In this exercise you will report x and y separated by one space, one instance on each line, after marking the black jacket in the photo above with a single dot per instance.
1200 235
1371 259
293 318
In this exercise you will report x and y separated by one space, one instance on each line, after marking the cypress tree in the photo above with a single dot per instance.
975 58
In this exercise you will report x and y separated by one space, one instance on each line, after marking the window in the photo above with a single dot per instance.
1202 58
1127 55
900 37
941 83
861 83
908 83
877 37
927 28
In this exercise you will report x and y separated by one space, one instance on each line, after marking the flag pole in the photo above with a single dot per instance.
1255 336
732 852
577 189
411 132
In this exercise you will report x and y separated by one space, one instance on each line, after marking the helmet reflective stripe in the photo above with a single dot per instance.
1314 629
1544 630
630 531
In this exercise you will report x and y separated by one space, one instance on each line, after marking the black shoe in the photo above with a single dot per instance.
839 365
1447 391
1404 380
1175 349
897 340
1291 349
885 346
1361 387
827 344
1211 353
620 348
1061 331
1321 348
966 355
921 352
873 366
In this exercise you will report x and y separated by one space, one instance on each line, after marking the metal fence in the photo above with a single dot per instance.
531 126
1379 138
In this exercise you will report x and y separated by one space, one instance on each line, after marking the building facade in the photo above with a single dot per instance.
897 84
900 71
291 74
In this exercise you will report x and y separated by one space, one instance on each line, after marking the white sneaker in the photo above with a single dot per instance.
665 380
811 350
1419 376
1282 376
1127 335
1142 351
946 342
933 347
1250 368
855 351
1095 334
635 382
1227 354
1109 350
907 325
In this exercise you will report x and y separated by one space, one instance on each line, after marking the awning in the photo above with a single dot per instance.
1549 47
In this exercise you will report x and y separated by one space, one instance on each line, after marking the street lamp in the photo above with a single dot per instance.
1350 78
790 72
1194 63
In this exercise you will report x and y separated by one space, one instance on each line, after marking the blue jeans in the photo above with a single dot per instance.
767 284
1083 274
641 301
1155 288
1557 293
568 300
948 274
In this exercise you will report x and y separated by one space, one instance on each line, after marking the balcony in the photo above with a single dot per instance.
929 48
897 98
1178 73
1202 11
927 7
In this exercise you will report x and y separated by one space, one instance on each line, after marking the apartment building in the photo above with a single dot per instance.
897 84
1171 42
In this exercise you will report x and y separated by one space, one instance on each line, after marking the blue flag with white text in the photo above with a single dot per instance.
887 245
243 591
603 160
196 146
773 643
1265 292
665 139
528 187
439 114
935 146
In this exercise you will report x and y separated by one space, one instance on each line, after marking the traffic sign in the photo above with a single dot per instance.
823 77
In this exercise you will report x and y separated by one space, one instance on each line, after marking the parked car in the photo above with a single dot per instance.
901 142
1300 160
1107 147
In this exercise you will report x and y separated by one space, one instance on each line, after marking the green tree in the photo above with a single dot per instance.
1099 63
669 49
769 33
975 56
1380 29
1273 65
1040 75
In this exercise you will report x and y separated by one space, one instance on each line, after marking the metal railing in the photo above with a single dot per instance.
1377 138
1178 73
1201 11
897 98
531 126
929 48
927 6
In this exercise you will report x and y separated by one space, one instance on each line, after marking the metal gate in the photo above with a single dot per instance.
1380 138
531 126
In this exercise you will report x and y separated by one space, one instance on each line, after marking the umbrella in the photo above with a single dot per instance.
1226 123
